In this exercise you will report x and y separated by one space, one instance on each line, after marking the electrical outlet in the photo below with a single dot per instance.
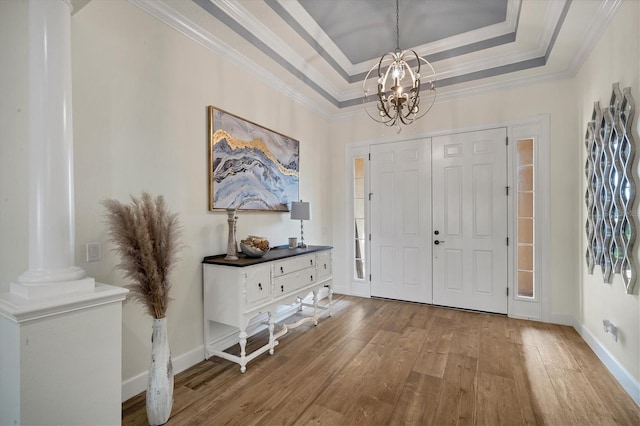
93 252
609 327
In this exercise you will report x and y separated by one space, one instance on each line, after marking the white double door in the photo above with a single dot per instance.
439 220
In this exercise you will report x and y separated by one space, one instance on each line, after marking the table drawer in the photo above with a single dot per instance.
323 263
284 267
258 285
294 281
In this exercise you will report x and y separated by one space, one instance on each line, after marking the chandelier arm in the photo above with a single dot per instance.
382 106
415 100
417 61
433 101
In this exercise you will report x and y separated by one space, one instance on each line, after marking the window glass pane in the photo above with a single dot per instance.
525 151
359 231
358 187
525 284
525 204
525 178
358 208
358 167
525 258
360 249
525 231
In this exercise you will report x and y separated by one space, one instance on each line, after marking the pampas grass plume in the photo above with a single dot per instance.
146 236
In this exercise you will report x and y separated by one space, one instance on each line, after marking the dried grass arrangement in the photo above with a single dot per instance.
146 236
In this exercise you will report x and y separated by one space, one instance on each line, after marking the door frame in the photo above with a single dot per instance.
536 126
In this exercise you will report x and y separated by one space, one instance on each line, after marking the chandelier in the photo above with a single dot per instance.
398 86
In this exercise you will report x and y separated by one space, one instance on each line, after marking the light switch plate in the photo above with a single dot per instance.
93 252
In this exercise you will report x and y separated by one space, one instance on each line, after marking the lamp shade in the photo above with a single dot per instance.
300 210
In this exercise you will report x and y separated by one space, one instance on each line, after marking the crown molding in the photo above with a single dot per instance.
261 32
598 24
164 13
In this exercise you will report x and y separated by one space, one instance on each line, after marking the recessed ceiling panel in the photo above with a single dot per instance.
365 29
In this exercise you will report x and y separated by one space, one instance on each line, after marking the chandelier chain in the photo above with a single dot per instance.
397 25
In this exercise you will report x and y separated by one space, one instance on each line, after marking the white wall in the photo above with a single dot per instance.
498 107
615 58
140 92
14 141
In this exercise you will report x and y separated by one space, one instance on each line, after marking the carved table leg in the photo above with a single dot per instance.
243 353
271 338
330 288
315 307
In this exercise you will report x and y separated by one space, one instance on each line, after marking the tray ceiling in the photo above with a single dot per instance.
320 50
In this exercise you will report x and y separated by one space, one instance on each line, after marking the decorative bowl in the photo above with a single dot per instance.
252 251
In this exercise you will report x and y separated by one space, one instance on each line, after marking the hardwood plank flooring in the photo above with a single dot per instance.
378 362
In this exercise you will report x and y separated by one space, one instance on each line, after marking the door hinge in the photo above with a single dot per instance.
369 156
507 141
507 240
370 194
507 291
369 277
369 237
507 187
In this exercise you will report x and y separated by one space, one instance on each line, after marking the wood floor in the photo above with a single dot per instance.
380 362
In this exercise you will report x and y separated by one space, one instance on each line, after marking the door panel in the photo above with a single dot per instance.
401 221
469 173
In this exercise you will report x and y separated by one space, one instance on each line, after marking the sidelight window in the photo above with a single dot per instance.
359 218
525 228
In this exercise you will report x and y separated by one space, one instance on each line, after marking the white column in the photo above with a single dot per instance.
60 332
51 201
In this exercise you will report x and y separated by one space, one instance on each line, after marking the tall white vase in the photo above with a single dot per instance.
160 386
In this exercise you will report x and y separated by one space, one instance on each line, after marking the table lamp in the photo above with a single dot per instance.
301 210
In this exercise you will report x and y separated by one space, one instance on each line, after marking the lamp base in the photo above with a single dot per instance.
302 245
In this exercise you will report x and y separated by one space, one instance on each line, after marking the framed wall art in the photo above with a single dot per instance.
250 167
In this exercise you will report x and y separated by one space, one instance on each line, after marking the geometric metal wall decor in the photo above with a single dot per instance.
611 188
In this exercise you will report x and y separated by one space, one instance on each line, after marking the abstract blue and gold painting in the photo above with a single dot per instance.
250 166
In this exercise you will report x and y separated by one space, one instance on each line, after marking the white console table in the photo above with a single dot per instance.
235 291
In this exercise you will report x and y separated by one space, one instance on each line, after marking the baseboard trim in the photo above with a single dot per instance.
562 319
626 380
137 384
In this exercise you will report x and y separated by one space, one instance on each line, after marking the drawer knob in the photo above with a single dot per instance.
311 262
260 286
282 269
311 277
325 266
282 288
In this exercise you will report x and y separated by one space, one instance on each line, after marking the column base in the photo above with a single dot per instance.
61 358
41 291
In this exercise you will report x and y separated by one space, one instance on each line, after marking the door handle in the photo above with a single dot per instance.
437 242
